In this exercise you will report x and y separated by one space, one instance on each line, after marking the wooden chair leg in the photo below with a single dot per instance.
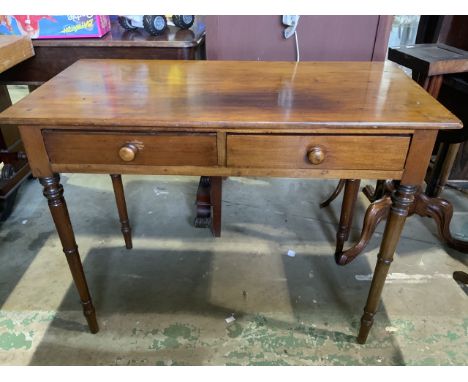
216 204
351 191
122 209
334 194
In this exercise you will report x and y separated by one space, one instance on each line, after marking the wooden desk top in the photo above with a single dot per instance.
224 94
13 50
430 59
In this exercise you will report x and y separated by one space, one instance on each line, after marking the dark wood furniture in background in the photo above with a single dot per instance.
308 120
13 50
429 64
452 31
55 55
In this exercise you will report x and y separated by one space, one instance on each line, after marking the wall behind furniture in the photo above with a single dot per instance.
321 38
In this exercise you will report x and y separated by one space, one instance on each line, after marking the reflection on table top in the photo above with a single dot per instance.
232 94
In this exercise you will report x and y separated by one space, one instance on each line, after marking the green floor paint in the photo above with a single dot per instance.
10 341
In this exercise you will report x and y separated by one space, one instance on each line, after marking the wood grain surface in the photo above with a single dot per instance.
13 50
233 95
290 151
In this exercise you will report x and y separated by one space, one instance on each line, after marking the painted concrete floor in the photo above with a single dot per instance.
165 302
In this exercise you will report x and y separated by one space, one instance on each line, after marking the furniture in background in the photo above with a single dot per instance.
429 64
332 124
452 31
15 169
53 56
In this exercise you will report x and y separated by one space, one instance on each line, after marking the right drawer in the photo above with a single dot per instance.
350 152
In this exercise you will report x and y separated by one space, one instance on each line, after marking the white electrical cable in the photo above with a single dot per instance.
298 55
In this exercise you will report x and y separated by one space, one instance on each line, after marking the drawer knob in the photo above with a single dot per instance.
316 155
128 152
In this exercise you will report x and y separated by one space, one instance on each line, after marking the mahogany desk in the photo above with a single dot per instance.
275 119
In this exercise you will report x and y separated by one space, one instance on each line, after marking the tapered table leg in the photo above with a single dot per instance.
122 209
402 200
53 191
347 210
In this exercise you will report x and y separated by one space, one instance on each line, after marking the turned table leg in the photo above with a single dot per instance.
347 210
402 200
53 191
122 209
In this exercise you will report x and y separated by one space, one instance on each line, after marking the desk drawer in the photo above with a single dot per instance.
151 149
328 152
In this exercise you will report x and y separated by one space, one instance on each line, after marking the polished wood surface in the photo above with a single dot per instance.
342 120
77 147
317 151
232 94
13 50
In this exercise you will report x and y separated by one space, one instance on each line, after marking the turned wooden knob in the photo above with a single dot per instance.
128 152
316 155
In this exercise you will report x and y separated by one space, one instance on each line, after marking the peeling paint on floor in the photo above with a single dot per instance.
165 302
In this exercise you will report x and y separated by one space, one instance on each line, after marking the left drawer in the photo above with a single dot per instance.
132 148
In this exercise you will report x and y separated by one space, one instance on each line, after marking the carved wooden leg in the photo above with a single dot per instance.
382 188
402 200
374 215
203 218
347 211
335 193
53 191
122 209
216 194
441 211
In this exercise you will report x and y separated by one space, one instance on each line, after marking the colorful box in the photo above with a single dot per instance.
48 26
